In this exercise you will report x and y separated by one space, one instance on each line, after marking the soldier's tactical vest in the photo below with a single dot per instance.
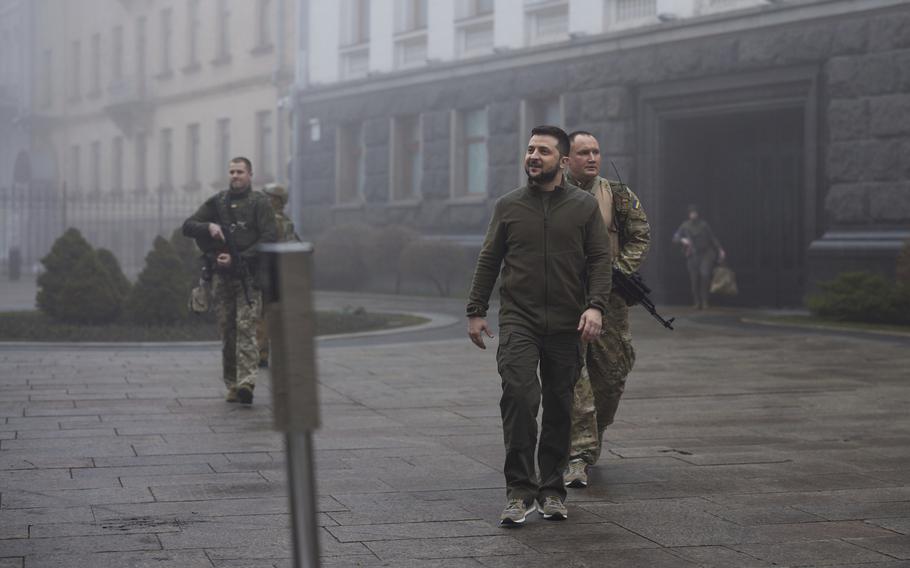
614 206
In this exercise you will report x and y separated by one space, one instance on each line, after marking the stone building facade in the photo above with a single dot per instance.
788 123
136 108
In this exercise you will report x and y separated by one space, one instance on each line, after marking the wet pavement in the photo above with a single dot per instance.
735 446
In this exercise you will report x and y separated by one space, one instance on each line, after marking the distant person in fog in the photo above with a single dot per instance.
702 251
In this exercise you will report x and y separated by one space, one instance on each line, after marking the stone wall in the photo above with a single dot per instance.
863 65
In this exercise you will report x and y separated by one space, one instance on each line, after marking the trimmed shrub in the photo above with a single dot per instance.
160 293
59 267
435 260
384 252
189 254
341 257
862 297
118 278
89 295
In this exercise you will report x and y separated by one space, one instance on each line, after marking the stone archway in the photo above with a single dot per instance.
728 117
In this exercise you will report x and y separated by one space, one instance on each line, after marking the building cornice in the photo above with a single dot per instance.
717 24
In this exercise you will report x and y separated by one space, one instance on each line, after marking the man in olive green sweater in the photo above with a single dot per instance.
551 242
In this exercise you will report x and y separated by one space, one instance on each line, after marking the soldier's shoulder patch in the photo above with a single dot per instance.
636 204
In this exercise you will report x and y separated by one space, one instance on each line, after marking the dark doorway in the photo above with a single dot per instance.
744 171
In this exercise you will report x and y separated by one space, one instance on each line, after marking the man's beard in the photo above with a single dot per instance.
237 187
545 176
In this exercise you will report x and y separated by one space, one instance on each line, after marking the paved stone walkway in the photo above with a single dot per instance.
734 447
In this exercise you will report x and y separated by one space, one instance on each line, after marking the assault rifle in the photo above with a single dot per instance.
238 265
632 289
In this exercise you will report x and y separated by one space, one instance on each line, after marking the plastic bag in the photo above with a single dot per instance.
723 281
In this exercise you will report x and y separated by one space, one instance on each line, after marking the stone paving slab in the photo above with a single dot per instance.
732 448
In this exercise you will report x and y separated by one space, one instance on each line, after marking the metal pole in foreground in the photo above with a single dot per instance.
302 486
290 318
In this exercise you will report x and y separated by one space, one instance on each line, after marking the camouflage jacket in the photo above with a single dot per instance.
627 224
700 233
253 221
286 230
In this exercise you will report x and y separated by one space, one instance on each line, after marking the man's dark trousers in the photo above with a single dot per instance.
559 356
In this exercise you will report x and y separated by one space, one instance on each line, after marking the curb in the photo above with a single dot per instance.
436 321
822 327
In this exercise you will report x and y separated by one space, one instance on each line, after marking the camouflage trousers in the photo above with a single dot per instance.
262 339
608 361
237 322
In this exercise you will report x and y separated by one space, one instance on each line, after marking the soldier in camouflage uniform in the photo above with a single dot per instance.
278 197
250 220
702 251
609 358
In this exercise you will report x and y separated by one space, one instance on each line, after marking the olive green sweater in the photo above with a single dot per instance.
555 260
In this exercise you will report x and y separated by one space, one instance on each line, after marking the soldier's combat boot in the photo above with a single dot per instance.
576 474
232 395
245 394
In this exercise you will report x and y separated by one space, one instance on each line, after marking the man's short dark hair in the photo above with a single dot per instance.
577 133
562 139
249 164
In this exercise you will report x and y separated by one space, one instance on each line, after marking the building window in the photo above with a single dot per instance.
223 46
406 158
167 38
546 21
263 27
350 164
141 163
192 156
95 171
117 164
76 168
629 13
166 159
410 15
470 159
223 137
75 82
355 38
411 33
474 8
265 156
117 54
193 24
474 27
47 78
355 18
140 63
95 88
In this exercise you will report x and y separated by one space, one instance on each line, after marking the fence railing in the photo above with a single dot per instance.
126 224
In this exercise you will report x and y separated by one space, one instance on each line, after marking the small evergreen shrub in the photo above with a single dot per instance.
435 260
190 256
160 293
862 297
89 295
341 257
118 278
59 266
